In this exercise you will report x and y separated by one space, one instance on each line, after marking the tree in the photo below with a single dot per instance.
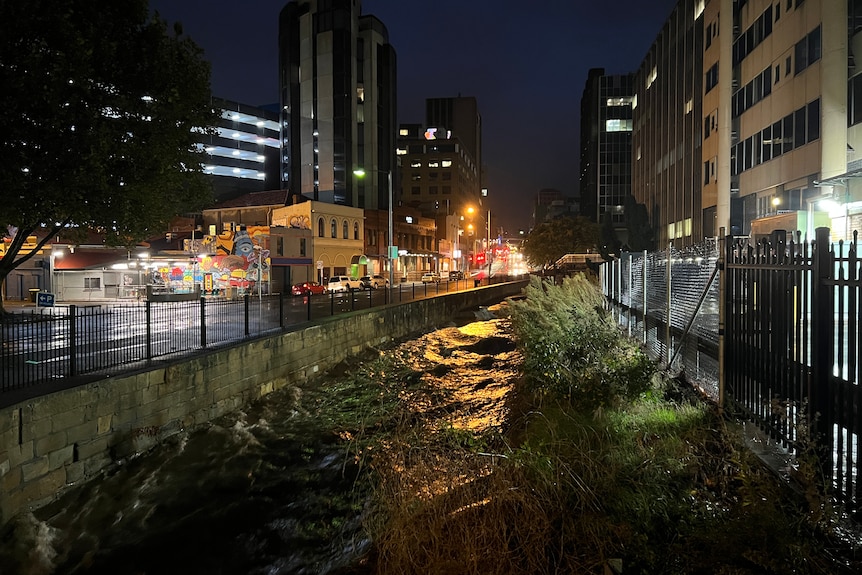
641 234
549 241
100 108
610 243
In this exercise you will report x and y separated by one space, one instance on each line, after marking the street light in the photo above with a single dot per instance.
391 250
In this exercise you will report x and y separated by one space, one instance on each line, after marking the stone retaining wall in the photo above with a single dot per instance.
52 442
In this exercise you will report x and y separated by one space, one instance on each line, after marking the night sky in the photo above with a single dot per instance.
525 62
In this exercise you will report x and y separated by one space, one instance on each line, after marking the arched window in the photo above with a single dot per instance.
344 229
320 227
333 228
355 230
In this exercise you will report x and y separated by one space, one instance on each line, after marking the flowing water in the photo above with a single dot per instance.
268 490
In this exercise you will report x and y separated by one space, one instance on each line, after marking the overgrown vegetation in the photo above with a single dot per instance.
605 467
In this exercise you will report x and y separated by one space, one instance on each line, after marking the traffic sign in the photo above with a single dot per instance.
320 264
45 299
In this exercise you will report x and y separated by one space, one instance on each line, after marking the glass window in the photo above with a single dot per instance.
767 143
813 118
344 229
355 231
814 46
333 228
787 134
799 125
776 139
320 228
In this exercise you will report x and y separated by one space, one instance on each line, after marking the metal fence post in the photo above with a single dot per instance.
822 319
644 317
667 343
723 244
203 322
73 340
246 300
629 276
149 320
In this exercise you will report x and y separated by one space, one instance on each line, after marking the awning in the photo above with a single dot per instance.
83 259
854 170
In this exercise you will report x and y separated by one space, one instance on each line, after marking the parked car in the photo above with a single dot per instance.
455 275
308 288
430 277
374 282
343 283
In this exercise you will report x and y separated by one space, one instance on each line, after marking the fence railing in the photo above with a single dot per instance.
43 345
775 333
669 301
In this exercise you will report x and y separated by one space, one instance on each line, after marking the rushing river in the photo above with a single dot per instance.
268 490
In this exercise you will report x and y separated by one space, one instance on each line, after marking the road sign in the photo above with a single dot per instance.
320 264
45 299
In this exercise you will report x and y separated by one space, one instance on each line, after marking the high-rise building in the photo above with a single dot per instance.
243 154
337 81
666 130
747 119
606 148
459 116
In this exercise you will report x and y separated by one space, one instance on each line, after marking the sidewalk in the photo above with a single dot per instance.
26 306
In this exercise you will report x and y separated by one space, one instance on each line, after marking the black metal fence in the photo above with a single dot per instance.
43 345
771 328
792 348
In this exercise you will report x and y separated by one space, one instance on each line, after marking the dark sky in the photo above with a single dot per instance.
525 62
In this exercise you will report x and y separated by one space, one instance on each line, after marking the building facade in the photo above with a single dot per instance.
606 148
337 80
747 119
243 154
666 128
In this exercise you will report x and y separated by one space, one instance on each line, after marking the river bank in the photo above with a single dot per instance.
276 488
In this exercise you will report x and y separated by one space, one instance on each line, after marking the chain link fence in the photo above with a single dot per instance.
669 301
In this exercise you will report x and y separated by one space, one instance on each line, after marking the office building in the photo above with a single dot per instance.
337 80
746 119
243 154
606 148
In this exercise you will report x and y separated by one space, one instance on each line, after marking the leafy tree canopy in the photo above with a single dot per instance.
100 104
641 234
549 241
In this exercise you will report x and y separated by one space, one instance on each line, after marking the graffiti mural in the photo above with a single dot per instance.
240 260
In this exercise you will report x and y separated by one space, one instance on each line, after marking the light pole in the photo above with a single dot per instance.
489 246
391 232
390 248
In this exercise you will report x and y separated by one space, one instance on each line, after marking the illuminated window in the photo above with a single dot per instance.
651 78
612 102
416 163
433 163
618 125
446 164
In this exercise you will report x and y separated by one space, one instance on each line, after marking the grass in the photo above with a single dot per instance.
604 464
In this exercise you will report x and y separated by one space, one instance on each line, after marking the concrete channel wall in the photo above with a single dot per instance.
55 441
